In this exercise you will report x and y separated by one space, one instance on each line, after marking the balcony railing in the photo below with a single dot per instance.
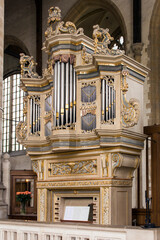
16 230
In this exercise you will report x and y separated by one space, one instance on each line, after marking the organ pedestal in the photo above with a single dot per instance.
83 123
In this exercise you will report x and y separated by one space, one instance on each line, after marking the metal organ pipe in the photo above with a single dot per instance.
62 93
74 96
58 95
103 92
70 93
114 104
55 93
67 92
107 89
31 115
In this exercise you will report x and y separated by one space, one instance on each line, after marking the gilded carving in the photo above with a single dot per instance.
35 166
116 162
87 58
102 39
49 70
130 110
78 167
38 168
105 163
105 199
61 27
21 131
27 66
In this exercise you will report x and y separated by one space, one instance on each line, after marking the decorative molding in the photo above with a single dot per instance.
71 168
42 204
106 208
27 66
89 183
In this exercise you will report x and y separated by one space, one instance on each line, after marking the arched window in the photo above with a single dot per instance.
12 112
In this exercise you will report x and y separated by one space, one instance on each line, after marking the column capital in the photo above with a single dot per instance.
137 50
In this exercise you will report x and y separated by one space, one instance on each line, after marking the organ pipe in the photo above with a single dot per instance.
62 93
103 91
67 95
74 96
55 93
58 95
71 100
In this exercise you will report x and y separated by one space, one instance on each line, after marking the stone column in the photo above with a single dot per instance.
6 179
3 206
137 51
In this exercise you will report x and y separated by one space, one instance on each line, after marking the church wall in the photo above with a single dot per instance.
22 162
21 22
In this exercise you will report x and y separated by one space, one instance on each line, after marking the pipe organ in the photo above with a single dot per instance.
83 125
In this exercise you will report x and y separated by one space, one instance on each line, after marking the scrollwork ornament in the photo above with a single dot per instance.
130 110
116 162
86 57
102 39
21 131
27 66
61 27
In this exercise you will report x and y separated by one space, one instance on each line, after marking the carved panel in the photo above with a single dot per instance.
42 204
88 93
105 202
88 122
78 167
